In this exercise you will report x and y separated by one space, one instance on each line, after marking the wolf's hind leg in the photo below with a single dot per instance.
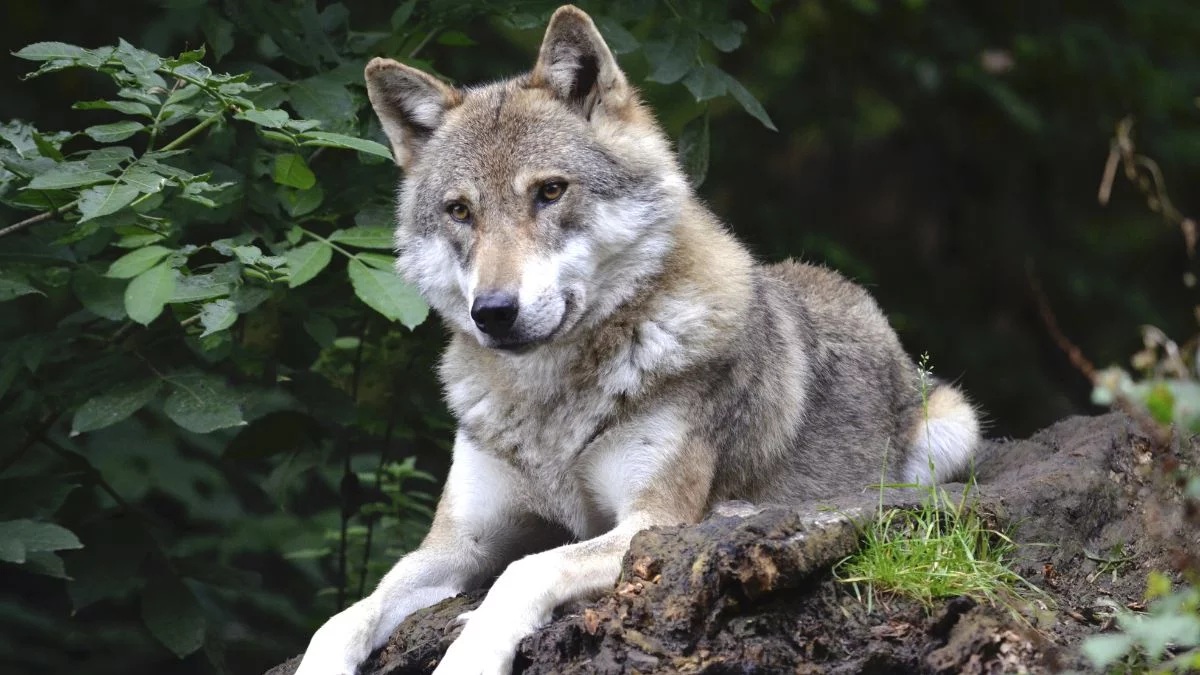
945 438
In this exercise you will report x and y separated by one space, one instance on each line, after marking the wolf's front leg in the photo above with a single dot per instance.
477 529
525 595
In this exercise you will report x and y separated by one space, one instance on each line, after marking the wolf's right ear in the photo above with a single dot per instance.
576 64
410 105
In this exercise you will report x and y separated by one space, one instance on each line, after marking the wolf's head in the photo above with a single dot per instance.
529 207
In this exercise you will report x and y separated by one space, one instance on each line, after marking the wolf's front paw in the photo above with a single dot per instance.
316 666
338 646
486 646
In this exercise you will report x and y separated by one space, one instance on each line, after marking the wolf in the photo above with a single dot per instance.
617 359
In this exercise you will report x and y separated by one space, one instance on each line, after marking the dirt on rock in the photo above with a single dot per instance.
749 590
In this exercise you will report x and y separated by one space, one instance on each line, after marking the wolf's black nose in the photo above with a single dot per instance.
494 312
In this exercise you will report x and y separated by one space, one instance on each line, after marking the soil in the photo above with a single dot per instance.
749 590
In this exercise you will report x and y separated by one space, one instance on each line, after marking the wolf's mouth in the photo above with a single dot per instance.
522 346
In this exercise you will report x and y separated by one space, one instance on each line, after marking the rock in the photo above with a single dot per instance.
748 590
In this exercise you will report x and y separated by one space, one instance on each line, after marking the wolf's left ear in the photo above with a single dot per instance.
577 65
410 105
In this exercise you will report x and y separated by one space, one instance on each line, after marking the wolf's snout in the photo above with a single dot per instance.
494 313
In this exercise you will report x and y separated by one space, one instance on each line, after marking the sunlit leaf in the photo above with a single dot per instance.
343 141
388 294
117 131
137 261
306 261
365 237
19 538
293 171
201 402
149 292
114 405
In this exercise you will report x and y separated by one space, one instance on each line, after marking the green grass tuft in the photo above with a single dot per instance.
940 550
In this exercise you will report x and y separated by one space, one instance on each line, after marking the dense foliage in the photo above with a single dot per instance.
191 389
217 404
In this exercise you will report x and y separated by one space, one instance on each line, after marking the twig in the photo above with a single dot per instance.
1159 435
191 133
35 435
46 215
424 41
34 220
343 543
383 454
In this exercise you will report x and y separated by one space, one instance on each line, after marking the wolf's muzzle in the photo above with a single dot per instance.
494 313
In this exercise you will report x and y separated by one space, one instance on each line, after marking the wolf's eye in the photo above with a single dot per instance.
550 192
459 211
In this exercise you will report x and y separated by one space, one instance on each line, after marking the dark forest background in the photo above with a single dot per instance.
937 152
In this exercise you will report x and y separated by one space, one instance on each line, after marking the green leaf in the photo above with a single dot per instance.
47 148
402 14
324 98
365 237
694 148
300 202
379 261
202 403
672 52
46 51
69 175
246 298
108 566
293 171
127 107
201 287
144 180
388 294
13 285
149 292
749 103
173 615
725 35
343 141
117 131
100 295
455 38
271 119
1160 402
135 262
219 34
306 261
19 538
1104 650
619 40
706 82
191 56
105 199
141 64
113 406
217 316
248 255
321 329
46 564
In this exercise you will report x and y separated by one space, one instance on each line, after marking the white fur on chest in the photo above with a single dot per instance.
582 457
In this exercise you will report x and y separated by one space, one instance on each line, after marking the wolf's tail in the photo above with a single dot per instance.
946 437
